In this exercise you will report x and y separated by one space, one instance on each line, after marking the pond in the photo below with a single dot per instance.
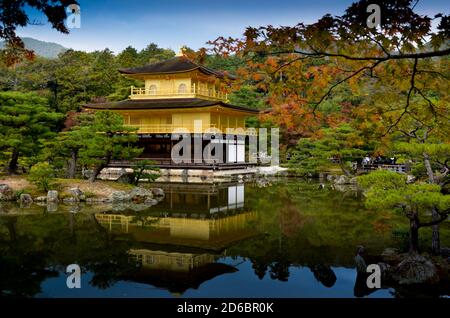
283 238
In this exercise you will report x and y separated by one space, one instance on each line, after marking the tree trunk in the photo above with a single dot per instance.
435 239
96 172
344 169
430 173
12 167
100 167
72 165
413 235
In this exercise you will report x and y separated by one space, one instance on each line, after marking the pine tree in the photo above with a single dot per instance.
108 139
25 121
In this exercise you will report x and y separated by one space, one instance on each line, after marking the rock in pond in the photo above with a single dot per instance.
415 269
77 194
6 193
120 196
70 200
150 202
158 192
342 180
98 200
52 196
25 198
139 195
40 199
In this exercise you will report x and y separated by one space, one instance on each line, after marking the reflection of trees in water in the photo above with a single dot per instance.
279 271
302 227
21 270
260 268
290 218
34 248
324 274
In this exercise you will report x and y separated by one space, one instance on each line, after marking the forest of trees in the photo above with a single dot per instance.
43 97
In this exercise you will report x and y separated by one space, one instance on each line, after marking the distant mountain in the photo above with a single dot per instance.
45 49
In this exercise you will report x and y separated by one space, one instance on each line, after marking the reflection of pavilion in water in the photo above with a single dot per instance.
180 240
176 270
202 201
207 217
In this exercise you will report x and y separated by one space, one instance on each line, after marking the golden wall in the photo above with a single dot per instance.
166 121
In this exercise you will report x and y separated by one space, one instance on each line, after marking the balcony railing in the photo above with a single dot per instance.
165 128
193 91
170 128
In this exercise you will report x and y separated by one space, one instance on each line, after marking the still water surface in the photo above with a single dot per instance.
284 239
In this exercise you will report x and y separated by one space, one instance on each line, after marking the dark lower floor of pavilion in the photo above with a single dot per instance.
159 147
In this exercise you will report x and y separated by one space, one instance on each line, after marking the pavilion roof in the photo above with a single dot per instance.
178 64
161 104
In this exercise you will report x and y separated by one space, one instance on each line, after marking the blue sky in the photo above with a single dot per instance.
115 24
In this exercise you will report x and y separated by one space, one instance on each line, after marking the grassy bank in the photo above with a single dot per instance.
96 189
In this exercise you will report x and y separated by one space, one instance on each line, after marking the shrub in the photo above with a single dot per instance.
145 169
41 175
18 193
89 194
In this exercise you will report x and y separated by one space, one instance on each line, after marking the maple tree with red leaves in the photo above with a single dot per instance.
304 68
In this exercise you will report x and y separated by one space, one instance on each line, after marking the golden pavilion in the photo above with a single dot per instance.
179 94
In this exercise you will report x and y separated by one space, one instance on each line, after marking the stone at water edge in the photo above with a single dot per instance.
6 193
271 170
410 179
415 269
52 196
139 194
70 200
40 199
120 196
25 198
342 179
98 200
386 271
139 191
77 194
151 201
158 192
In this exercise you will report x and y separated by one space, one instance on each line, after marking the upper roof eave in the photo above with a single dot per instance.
161 104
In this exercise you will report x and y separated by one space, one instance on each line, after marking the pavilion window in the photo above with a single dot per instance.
152 90
182 89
